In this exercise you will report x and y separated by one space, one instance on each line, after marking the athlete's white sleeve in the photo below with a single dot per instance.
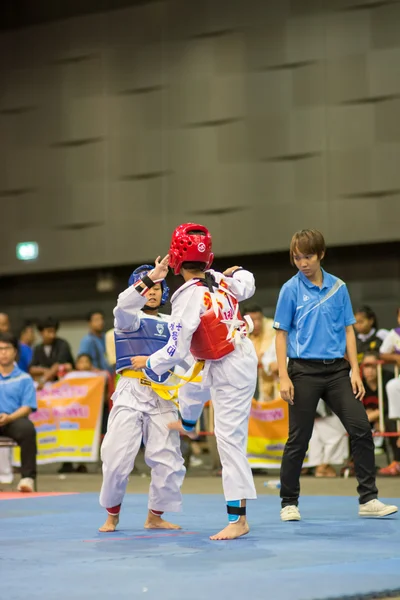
185 319
241 284
126 313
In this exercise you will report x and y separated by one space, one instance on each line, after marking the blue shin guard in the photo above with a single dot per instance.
235 511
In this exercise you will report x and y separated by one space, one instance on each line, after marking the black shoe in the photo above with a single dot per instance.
66 468
81 469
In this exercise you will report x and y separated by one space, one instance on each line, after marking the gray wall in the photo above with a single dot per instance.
254 117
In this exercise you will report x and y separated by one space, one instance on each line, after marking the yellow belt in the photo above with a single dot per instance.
166 392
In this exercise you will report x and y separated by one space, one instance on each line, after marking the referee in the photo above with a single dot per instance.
314 322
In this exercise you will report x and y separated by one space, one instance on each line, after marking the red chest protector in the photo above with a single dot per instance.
211 340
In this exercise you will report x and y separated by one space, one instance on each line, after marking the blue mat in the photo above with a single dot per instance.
50 549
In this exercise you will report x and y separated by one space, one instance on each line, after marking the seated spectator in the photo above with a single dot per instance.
390 348
390 352
24 350
93 343
368 336
84 366
17 401
26 341
27 334
328 444
52 355
262 336
371 403
83 363
270 365
393 395
5 326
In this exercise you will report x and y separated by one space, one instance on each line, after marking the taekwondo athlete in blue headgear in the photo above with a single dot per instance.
140 410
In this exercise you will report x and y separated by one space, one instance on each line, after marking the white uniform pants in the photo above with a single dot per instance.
393 394
233 382
126 426
328 444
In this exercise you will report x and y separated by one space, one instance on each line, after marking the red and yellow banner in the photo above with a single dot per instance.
268 431
68 420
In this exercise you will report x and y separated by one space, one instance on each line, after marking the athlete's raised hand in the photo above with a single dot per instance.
161 268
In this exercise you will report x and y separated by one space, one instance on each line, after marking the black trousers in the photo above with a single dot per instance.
24 433
313 380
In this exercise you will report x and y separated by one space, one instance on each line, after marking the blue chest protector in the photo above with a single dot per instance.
151 336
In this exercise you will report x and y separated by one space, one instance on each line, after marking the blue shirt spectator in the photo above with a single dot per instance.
26 342
94 343
17 401
25 354
16 390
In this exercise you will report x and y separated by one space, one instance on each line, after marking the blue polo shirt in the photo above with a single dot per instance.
25 354
315 318
96 348
16 389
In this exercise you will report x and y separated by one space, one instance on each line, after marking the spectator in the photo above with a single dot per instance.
368 336
85 366
262 336
371 403
110 349
51 355
27 334
17 401
390 348
328 444
26 341
390 351
270 366
24 351
83 363
4 323
93 343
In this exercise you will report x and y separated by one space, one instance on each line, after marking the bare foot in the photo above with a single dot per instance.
330 471
110 525
156 522
232 531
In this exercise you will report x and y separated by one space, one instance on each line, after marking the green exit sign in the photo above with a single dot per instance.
27 251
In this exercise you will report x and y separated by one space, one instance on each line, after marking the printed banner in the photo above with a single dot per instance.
68 420
268 431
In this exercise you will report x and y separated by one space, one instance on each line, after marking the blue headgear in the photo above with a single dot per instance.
141 272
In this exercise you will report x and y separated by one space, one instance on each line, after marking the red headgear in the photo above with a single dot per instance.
190 247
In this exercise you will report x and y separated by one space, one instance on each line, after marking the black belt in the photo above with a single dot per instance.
324 361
